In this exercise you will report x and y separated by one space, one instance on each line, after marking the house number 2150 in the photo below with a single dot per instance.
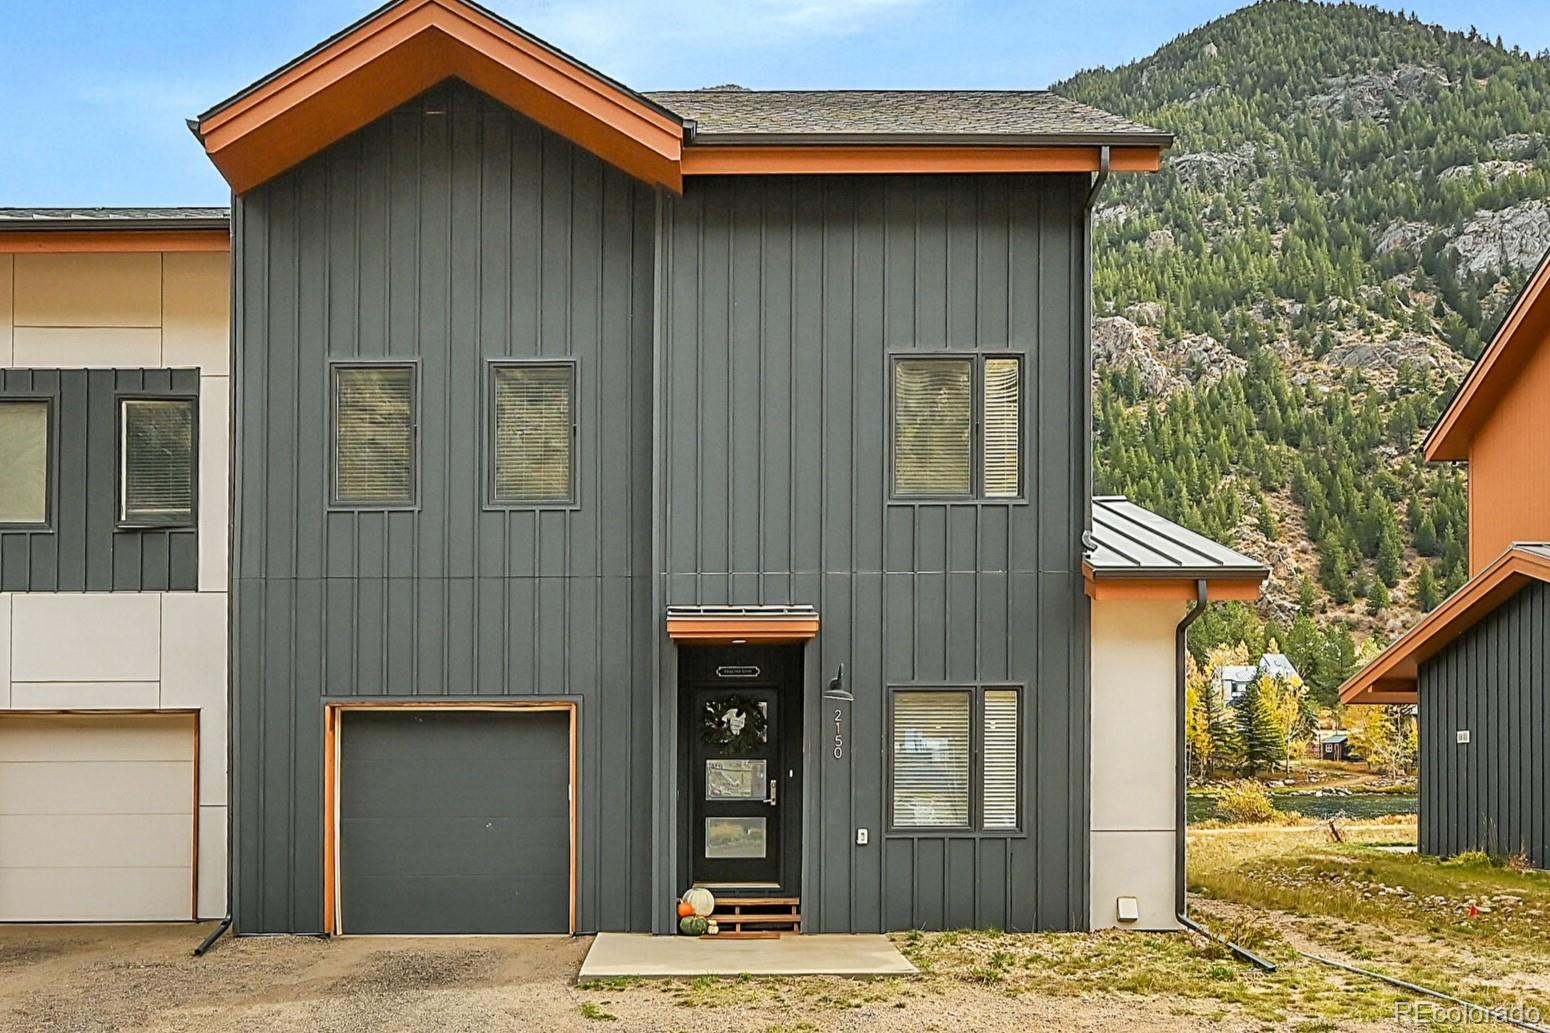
839 734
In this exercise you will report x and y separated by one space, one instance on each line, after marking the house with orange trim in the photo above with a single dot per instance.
1478 666
606 493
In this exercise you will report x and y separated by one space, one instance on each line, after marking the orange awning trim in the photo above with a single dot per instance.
1393 675
112 240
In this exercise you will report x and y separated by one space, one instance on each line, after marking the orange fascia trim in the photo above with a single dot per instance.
709 631
1392 676
115 240
408 48
1525 329
332 910
754 160
1171 589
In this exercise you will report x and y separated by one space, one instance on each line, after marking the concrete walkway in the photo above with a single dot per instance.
639 954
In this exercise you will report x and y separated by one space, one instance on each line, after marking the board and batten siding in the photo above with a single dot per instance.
780 303
447 233
1492 793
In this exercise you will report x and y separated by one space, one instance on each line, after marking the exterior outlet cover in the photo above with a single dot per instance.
1463 736
861 837
1129 909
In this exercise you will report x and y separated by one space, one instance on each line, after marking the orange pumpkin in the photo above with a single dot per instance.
685 909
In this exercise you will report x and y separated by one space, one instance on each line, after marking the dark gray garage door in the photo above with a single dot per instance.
454 822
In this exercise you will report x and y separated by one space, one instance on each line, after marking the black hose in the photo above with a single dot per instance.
199 951
1238 949
1498 1014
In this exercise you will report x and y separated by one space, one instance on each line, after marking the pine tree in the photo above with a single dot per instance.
1427 594
1259 736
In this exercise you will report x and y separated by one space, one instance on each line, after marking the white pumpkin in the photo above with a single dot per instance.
701 900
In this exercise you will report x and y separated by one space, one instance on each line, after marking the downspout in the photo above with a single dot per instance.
1101 178
1181 754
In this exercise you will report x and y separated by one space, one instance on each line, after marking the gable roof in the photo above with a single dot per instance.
404 48
1134 553
1393 674
1525 329
736 116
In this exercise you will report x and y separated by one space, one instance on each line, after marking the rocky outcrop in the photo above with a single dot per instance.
1497 243
1377 94
1404 236
1418 352
1493 171
1116 213
1164 366
1210 168
1518 145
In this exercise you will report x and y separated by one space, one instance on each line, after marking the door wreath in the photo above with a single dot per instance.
734 724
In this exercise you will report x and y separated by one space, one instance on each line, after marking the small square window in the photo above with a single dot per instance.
374 436
533 426
156 462
25 447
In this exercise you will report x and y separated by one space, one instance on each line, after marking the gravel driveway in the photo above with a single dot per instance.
142 978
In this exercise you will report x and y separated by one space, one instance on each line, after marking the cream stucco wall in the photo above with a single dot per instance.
1134 717
142 650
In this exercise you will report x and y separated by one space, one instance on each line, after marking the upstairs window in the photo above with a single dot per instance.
375 457
533 409
156 462
24 462
957 427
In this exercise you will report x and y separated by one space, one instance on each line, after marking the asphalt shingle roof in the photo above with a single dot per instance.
111 218
1129 541
763 114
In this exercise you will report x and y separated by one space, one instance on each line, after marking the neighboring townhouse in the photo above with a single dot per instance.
1479 664
637 491
114 414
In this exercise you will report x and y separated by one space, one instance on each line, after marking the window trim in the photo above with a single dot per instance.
121 521
975 829
976 497
494 504
50 464
335 503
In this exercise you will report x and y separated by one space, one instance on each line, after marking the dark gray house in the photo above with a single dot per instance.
634 491
1478 666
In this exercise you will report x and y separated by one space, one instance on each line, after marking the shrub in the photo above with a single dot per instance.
1246 802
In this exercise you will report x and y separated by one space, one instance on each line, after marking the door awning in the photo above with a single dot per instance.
737 625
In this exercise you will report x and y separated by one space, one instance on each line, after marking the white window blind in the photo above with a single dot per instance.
999 774
156 469
933 424
533 433
24 448
374 460
1003 404
931 759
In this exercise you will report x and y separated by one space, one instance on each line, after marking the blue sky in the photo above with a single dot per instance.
96 91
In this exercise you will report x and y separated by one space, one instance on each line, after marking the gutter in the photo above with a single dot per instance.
113 225
863 139
1181 755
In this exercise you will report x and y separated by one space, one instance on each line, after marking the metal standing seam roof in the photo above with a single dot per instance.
34 219
734 116
1130 541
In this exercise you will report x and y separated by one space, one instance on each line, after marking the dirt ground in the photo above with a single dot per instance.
71 979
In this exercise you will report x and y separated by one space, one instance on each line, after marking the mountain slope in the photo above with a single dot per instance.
1354 200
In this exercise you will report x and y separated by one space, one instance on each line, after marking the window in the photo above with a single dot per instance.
156 462
533 426
24 462
947 742
948 410
374 436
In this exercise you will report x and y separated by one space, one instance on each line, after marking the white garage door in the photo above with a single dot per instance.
96 817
